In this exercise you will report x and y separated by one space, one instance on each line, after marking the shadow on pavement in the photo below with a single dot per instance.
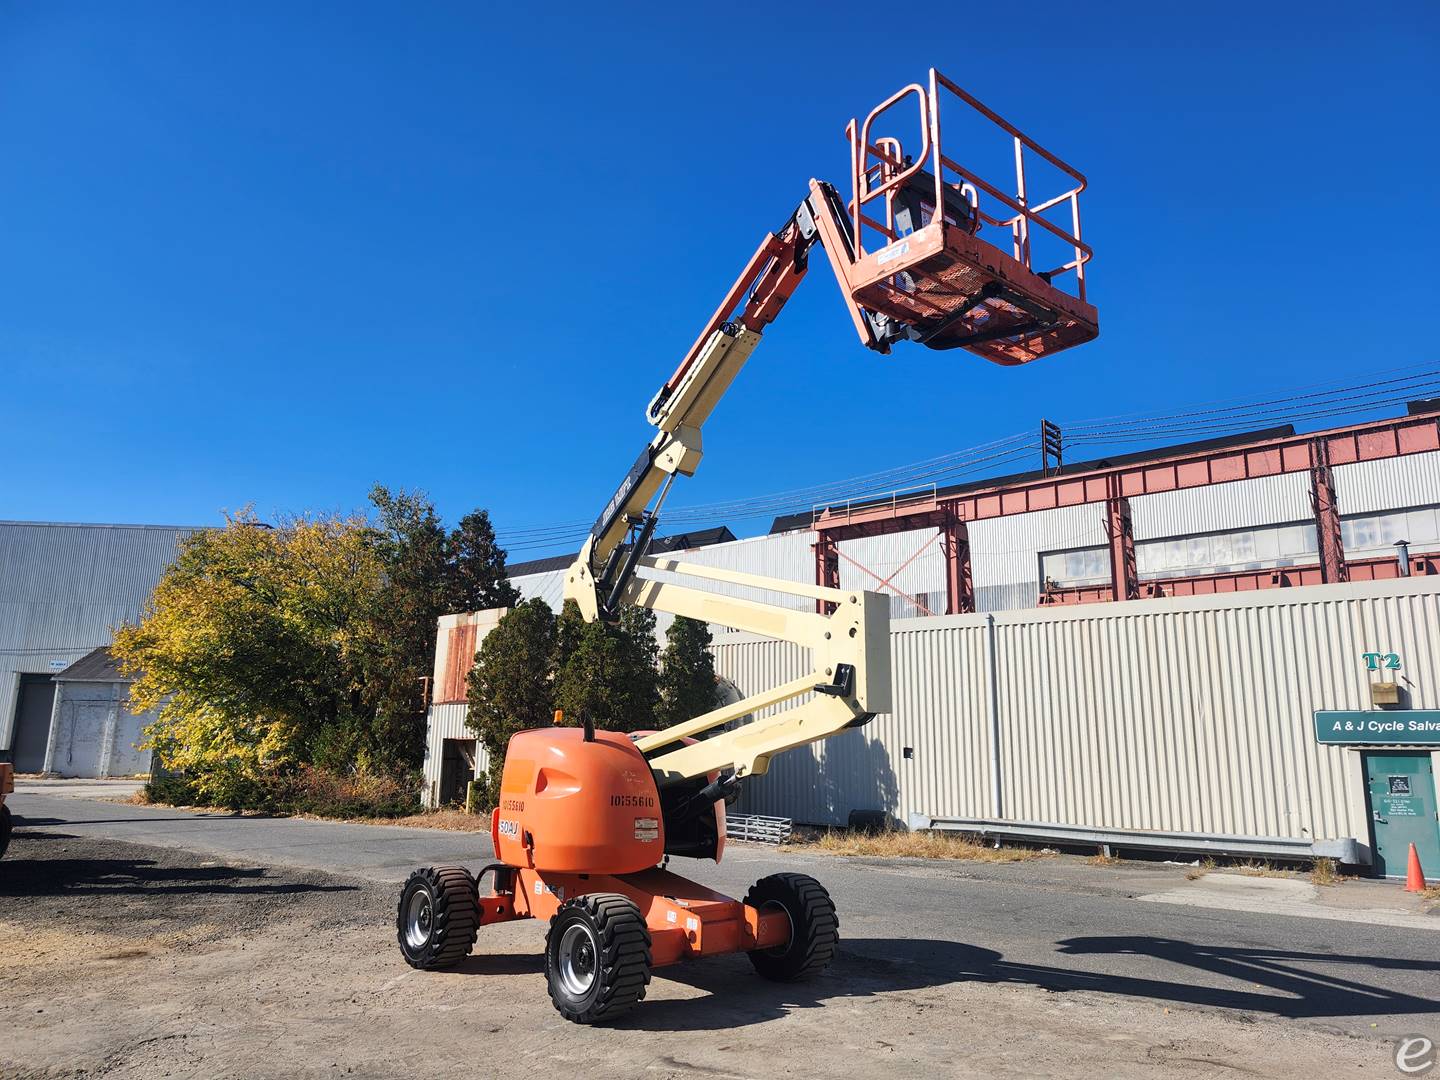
501 963
118 877
23 822
1299 984
1276 982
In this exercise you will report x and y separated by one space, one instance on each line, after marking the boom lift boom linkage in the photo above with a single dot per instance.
585 816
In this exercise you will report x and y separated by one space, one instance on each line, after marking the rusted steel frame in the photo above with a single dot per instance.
1329 541
827 568
1231 581
959 572
886 582
1372 441
1124 577
838 528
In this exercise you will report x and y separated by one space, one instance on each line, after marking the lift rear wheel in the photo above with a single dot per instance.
5 826
438 917
597 957
814 927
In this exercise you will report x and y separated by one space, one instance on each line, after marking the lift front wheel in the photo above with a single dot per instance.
814 927
597 957
438 917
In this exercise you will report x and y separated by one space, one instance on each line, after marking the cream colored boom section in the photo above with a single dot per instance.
676 448
857 633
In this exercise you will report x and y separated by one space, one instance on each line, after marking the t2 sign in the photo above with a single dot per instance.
1375 661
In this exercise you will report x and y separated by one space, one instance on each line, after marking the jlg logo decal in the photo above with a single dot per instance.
632 800
510 829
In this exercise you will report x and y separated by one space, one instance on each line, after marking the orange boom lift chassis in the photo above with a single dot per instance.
925 250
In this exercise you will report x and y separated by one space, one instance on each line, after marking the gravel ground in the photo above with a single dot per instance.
130 961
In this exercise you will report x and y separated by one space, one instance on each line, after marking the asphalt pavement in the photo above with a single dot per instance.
1065 924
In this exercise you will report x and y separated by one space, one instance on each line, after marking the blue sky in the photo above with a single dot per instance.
273 253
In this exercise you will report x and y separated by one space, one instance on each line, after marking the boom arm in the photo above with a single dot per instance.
937 278
849 649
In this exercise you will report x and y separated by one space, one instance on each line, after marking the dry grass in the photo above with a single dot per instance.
914 845
1325 872
1201 869
1431 892
1259 868
451 820
1101 859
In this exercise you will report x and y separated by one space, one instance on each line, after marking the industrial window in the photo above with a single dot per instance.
1261 548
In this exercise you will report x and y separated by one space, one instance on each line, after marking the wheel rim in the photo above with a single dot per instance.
780 950
577 959
419 919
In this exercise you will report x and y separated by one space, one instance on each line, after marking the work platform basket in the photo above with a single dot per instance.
1000 270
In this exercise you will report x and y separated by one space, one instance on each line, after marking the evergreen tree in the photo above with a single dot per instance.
412 545
611 674
478 579
511 686
688 687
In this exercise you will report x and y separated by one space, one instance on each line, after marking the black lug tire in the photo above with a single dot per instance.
6 825
622 966
815 928
455 917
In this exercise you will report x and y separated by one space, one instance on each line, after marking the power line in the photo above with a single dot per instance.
1316 402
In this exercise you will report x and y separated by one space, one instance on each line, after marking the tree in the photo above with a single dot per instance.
254 650
478 579
688 687
413 547
510 688
611 674
569 631
428 574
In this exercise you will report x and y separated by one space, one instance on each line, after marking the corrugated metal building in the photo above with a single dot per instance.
63 588
1254 524
1183 722
1191 715
92 729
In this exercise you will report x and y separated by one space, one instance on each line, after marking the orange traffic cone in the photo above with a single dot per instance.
1414 877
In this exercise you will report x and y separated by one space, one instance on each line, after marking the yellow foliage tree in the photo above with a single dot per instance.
255 648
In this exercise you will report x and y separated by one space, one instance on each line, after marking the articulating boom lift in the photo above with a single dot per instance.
587 818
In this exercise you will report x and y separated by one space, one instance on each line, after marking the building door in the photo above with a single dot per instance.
1401 795
32 722
457 769
80 742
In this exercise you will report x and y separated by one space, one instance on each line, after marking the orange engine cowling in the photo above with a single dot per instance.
580 807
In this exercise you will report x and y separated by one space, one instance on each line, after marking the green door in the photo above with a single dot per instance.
1401 788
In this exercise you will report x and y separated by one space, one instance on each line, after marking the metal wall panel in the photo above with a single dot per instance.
445 722
62 590
1366 487
1187 715
1240 504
